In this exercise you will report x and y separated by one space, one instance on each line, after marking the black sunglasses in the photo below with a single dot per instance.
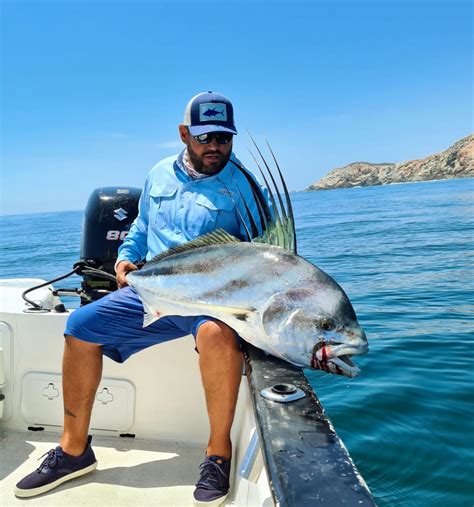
220 137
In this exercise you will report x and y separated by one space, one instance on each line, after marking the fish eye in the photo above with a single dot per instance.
326 324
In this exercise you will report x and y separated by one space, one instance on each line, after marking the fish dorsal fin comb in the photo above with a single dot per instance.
217 237
279 229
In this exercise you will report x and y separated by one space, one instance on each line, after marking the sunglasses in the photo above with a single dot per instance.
220 137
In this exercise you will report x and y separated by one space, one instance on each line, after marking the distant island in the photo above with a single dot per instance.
455 162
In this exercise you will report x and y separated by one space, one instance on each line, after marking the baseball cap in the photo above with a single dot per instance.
209 112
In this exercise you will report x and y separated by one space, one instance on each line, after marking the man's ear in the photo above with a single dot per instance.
183 133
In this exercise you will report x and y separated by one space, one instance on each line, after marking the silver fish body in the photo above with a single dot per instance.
273 298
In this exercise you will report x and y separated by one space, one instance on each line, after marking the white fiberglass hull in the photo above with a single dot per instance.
156 396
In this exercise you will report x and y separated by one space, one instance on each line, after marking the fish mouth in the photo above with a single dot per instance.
336 358
342 365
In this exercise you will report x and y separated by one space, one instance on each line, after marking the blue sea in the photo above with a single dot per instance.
403 254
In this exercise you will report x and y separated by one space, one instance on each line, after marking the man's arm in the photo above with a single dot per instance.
134 247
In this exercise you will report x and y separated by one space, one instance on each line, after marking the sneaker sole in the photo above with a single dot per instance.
25 493
213 503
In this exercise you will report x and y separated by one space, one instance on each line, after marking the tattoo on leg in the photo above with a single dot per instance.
69 413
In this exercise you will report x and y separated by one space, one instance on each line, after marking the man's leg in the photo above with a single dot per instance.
82 371
220 361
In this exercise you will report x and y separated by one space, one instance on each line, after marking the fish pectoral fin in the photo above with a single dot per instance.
150 315
149 318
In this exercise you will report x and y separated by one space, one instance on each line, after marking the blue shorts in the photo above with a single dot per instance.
116 322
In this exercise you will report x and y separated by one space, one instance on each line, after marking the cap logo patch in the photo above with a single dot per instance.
212 111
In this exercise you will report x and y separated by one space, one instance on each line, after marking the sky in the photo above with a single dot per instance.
92 92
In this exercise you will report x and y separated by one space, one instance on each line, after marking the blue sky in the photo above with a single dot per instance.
92 92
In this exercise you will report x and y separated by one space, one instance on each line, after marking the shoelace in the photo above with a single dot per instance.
51 458
210 471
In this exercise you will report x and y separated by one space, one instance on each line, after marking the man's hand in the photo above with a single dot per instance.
124 267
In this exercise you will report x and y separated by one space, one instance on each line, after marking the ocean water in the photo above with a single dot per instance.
403 254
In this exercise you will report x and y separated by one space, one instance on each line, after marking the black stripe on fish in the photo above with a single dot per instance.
170 269
230 286
241 316
291 259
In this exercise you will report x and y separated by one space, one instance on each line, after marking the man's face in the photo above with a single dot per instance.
206 158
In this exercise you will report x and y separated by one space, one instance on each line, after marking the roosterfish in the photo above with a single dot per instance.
268 294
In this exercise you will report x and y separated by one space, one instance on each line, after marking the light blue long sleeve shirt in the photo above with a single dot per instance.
174 208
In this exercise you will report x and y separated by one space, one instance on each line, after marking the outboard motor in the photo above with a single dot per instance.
108 216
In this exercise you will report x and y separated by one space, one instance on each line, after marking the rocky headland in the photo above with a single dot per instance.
455 162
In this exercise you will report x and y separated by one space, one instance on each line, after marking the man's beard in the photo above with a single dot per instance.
211 168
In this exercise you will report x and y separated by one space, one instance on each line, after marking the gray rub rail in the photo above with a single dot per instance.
306 461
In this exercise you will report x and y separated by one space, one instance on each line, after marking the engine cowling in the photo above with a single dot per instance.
108 215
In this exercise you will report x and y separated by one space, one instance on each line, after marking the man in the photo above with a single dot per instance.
202 189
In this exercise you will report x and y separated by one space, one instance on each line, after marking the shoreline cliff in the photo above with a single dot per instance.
455 162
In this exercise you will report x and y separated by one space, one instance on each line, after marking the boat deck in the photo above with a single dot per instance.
131 472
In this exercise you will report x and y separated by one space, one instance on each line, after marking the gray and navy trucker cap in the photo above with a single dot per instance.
209 112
